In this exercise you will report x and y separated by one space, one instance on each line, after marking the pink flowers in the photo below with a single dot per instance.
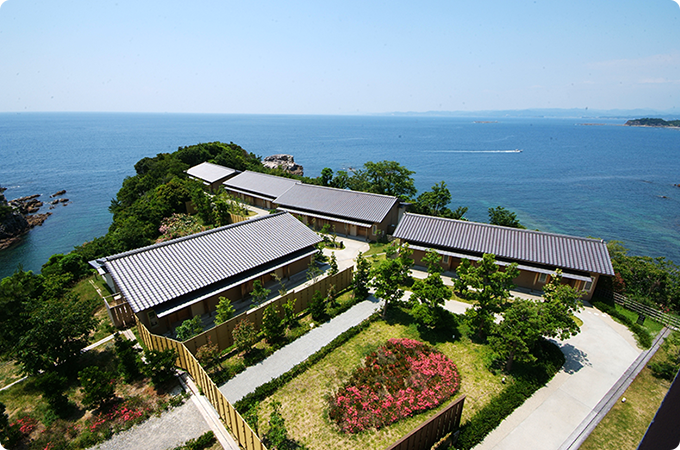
400 379
119 416
26 424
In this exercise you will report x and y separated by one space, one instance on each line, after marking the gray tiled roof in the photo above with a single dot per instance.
554 250
259 183
210 172
356 205
159 273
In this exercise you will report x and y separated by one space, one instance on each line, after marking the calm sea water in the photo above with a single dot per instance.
609 182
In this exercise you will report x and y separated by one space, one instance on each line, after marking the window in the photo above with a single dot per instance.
445 259
542 277
588 285
153 318
375 229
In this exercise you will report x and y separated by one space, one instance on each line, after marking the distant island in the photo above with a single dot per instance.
647 122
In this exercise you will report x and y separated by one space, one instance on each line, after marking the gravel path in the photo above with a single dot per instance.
297 351
171 429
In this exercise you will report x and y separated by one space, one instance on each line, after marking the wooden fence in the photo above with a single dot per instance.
435 429
243 434
222 333
235 218
120 313
669 320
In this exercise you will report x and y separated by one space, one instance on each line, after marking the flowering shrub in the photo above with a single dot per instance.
178 225
400 379
119 417
26 425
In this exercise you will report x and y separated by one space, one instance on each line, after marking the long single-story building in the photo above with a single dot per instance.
176 280
212 175
537 254
258 189
351 213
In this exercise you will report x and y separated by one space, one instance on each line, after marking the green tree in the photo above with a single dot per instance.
313 270
334 264
384 177
390 274
362 276
160 365
518 332
259 293
488 287
289 312
317 306
57 331
428 295
340 180
189 328
53 386
245 335
208 355
435 201
129 361
9 436
272 324
503 217
326 176
225 310
99 386
19 296
560 303
459 213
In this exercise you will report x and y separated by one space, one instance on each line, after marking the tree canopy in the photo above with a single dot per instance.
503 217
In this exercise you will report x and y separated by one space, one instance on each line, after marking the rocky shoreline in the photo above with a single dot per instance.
20 215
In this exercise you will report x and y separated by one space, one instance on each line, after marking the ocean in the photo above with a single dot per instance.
608 181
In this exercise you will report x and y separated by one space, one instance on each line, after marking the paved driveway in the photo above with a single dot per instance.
595 359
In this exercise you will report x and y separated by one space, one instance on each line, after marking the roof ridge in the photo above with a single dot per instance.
186 238
271 176
523 230
348 190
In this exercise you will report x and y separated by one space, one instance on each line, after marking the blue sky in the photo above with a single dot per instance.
312 57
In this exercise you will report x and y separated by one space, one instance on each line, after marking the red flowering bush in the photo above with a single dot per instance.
26 425
401 378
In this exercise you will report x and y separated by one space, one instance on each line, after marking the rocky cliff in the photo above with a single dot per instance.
18 216
283 162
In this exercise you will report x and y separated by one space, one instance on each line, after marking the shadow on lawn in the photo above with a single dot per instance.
448 329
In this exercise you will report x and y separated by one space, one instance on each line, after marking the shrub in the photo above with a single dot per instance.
208 354
189 328
225 310
289 313
334 265
245 335
272 324
129 362
160 365
277 437
317 306
400 379
665 370
53 385
98 386
9 435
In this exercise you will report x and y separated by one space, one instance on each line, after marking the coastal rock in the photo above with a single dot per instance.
18 216
12 226
283 162
57 194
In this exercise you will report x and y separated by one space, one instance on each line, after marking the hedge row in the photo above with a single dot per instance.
642 336
490 416
267 389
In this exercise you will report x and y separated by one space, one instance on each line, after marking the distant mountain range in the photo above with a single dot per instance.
576 113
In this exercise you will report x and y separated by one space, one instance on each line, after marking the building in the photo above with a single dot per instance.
176 280
351 213
537 254
258 189
212 175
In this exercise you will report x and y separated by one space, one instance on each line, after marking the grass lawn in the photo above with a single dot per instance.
304 399
376 248
9 373
625 424
652 326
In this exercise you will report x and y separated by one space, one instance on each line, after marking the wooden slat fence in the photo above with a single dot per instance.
120 313
243 434
235 218
667 319
432 431
222 333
